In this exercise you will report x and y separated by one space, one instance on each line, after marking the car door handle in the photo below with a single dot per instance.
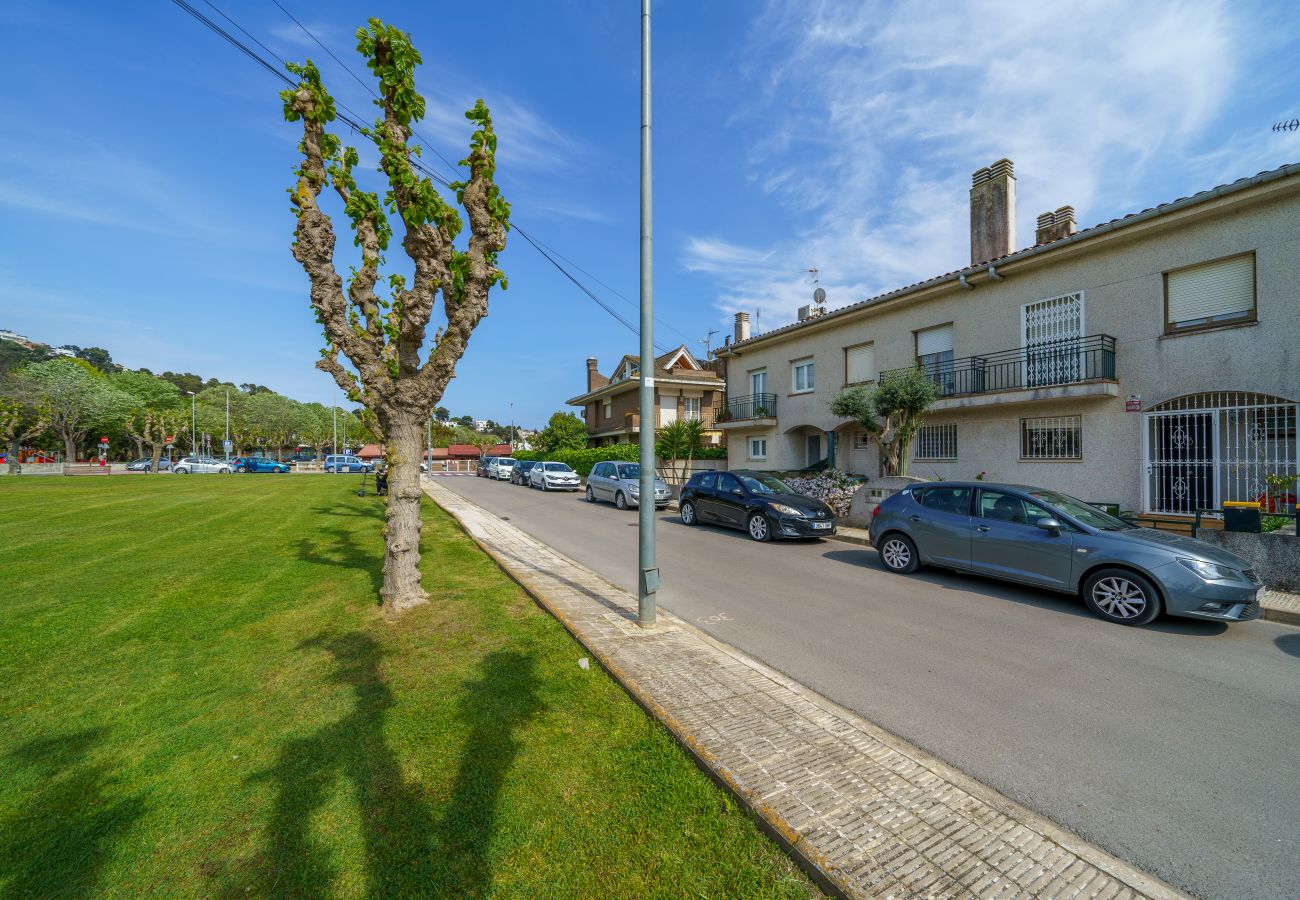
915 518
981 528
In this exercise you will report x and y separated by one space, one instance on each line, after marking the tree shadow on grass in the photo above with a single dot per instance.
406 852
58 839
338 547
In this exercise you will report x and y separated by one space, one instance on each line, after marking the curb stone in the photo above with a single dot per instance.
863 812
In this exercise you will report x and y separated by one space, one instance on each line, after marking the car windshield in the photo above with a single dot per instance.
505 462
1083 512
766 484
526 465
558 467
633 470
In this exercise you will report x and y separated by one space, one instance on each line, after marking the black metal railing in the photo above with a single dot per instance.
754 406
1070 361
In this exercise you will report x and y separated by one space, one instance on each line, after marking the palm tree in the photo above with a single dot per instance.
681 440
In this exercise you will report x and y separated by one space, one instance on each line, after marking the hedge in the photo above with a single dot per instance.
581 461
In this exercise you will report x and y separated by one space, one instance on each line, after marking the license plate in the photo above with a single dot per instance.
821 525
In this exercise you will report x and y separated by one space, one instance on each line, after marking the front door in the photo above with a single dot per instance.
814 449
729 501
941 527
1008 544
1181 462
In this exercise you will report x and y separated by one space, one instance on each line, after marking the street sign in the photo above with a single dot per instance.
1133 403
171 439
227 446
103 440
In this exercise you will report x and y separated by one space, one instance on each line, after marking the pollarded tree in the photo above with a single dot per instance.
892 413
20 422
382 338
152 427
77 397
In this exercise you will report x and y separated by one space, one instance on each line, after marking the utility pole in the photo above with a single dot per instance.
648 571
225 443
194 442
334 448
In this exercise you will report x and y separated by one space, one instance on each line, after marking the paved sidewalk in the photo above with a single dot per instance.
866 813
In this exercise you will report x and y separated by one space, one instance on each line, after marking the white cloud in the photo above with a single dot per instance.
868 120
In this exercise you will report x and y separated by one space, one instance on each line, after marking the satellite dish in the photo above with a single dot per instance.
819 295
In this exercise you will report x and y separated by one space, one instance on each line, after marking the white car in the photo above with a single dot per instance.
201 465
500 468
554 476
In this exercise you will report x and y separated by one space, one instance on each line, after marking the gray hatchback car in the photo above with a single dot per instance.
1038 537
620 483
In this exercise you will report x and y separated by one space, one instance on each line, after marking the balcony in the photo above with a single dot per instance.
1078 367
749 411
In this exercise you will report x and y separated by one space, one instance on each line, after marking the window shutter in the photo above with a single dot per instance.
1222 288
860 364
934 340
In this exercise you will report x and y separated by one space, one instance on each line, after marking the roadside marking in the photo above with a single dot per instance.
713 620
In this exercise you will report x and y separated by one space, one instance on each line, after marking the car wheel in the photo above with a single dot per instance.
620 501
759 528
898 554
688 513
591 495
182 471
241 468
545 488
1118 595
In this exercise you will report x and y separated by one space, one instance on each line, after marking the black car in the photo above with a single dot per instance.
481 471
519 474
764 506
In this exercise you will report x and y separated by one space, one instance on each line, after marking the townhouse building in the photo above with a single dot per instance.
685 388
1153 360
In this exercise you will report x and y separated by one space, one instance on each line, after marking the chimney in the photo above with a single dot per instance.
992 212
742 327
594 378
1052 226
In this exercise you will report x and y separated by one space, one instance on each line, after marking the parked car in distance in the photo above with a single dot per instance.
756 502
145 464
1047 539
258 464
501 467
346 463
620 484
554 476
481 471
200 465
519 474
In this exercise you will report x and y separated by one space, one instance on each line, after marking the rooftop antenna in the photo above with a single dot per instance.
1292 125
819 293
707 341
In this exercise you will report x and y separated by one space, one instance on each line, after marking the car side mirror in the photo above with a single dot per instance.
1051 526
738 492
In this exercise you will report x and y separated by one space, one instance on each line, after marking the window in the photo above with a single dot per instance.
758 448
955 500
859 364
936 442
728 483
1003 507
934 355
708 481
1056 437
690 408
1215 293
608 411
758 381
861 440
801 376
601 471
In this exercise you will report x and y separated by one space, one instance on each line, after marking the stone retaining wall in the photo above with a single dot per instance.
1275 556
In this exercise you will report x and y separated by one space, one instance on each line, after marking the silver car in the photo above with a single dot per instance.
554 476
620 484
500 467
1038 537
200 465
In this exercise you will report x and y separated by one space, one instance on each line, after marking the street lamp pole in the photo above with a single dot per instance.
334 447
194 448
225 442
648 572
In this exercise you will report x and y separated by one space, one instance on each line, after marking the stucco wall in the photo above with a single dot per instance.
1123 286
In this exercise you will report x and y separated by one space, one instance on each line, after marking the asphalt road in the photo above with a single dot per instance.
1175 746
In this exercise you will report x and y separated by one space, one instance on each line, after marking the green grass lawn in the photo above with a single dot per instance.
200 698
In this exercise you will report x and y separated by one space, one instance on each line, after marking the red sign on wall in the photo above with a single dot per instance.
1133 403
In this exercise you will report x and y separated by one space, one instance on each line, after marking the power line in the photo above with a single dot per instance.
353 121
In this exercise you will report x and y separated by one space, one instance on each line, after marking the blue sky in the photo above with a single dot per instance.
143 161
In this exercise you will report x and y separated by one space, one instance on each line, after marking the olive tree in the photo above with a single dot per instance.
382 337
892 413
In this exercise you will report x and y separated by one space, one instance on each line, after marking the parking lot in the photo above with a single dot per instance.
1166 745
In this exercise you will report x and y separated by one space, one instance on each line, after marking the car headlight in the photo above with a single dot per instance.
1209 571
786 510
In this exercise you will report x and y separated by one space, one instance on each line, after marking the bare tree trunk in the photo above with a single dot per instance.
139 447
69 449
157 455
14 448
402 588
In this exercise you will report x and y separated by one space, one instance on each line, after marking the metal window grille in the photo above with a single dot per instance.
1052 437
1203 449
937 442
861 440
1052 332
